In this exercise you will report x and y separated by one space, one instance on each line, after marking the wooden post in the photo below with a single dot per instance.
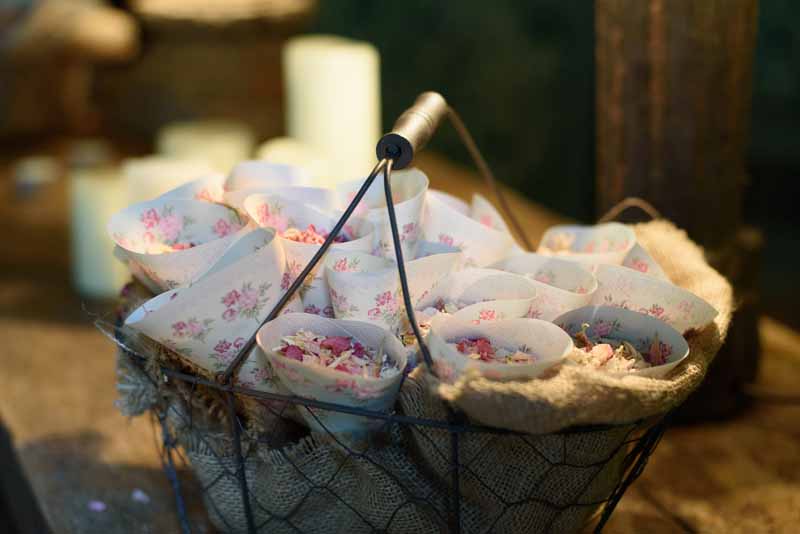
673 114
673 102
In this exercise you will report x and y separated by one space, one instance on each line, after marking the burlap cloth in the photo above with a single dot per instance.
401 481
579 395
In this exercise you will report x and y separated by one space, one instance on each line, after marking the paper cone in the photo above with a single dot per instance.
321 199
561 285
209 321
408 189
629 289
639 259
172 242
426 272
365 288
473 286
638 329
280 214
329 385
602 244
209 189
546 341
446 224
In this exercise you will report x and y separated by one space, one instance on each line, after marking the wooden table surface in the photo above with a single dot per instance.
73 447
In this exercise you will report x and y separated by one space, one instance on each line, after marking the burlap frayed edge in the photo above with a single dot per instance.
580 396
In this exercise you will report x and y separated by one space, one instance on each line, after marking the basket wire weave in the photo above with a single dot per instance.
443 502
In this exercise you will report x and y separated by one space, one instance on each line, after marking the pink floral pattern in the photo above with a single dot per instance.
270 215
293 270
166 227
224 227
345 264
245 302
351 386
225 351
387 307
341 307
640 265
327 311
192 329
487 315
545 276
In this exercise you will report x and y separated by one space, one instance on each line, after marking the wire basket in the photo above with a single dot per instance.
418 472
423 468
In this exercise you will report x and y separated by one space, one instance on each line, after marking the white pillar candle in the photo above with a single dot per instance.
222 144
95 195
333 101
152 176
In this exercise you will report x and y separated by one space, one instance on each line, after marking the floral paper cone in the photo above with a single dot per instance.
208 188
209 321
424 273
629 289
408 189
481 295
646 334
590 246
172 242
365 288
545 341
640 260
329 385
445 223
281 215
560 285
317 197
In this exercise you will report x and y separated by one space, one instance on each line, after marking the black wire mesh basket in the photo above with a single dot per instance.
419 471
423 468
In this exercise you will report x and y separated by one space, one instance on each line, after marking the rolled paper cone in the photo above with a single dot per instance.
280 214
221 143
211 320
445 223
95 195
319 198
152 176
365 288
601 244
290 151
561 285
629 289
639 259
481 295
409 188
424 273
548 343
174 241
208 189
638 329
477 285
333 105
329 385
